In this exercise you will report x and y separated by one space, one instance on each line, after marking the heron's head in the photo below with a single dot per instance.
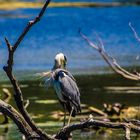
60 61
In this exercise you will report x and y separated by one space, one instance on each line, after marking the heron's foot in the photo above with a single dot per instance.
65 127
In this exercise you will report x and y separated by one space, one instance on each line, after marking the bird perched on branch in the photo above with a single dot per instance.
65 86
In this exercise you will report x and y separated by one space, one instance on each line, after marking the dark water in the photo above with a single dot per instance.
58 32
95 90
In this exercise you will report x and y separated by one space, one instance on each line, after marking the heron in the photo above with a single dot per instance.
65 86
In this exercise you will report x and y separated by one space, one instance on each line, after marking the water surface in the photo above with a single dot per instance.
95 90
58 32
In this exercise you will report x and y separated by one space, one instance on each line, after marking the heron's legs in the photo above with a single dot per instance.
70 116
64 123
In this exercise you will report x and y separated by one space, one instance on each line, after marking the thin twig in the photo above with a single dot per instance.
134 31
127 133
23 126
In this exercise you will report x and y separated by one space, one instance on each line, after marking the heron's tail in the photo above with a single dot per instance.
75 107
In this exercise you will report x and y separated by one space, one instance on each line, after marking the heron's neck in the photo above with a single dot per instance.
59 67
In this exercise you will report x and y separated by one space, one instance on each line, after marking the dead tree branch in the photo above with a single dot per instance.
134 31
24 128
110 60
8 69
7 95
64 133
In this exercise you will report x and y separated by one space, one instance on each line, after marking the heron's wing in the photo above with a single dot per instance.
70 75
69 88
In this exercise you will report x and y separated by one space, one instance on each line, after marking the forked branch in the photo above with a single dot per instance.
9 111
110 60
8 69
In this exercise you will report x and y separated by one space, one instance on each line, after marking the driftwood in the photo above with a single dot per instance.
22 118
65 132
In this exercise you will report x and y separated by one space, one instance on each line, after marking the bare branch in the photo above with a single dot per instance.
27 104
8 110
7 95
134 31
134 121
8 69
30 24
65 132
127 132
110 60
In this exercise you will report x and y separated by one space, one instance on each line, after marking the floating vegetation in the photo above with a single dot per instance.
130 112
37 116
50 123
57 115
10 86
46 101
124 89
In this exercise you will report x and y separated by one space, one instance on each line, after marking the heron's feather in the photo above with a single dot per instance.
43 74
48 82
66 72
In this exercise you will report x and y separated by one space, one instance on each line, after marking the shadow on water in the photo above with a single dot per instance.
95 90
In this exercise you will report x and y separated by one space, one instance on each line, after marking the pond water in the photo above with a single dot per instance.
43 105
58 32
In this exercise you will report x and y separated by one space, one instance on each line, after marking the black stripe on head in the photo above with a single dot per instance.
65 58
65 61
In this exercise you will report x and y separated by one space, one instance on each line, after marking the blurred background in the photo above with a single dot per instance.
58 32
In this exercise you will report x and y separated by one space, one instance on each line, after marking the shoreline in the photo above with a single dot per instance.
23 5
23 76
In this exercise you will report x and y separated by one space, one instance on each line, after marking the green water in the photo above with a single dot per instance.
95 90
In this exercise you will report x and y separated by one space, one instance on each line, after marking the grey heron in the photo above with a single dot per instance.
65 86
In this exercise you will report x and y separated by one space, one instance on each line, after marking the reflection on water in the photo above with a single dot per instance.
95 90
